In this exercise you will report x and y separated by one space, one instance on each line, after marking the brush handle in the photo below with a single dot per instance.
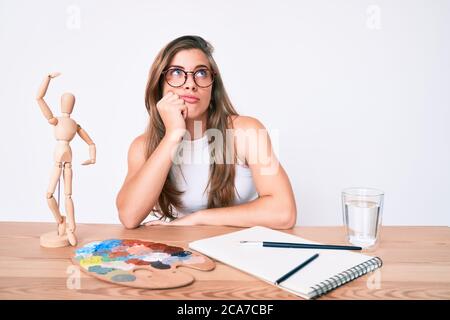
308 246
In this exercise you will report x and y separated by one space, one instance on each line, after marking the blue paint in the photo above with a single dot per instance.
85 250
184 258
123 278
182 254
108 244
100 270
101 253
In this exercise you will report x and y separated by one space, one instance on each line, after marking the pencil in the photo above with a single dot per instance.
290 273
301 245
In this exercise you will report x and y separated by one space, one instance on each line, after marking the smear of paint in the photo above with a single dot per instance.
173 250
83 250
138 262
171 260
159 265
182 253
157 246
185 258
118 254
123 258
92 244
119 248
132 242
135 248
156 256
139 250
121 265
102 254
108 244
100 270
123 278
91 261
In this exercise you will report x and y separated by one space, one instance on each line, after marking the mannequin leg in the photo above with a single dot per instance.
51 201
70 212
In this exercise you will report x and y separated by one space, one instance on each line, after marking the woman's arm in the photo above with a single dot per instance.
275 208
144 181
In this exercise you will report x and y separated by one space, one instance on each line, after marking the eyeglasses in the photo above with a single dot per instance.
177 77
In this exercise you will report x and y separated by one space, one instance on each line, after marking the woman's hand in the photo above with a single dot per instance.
173 112
188 220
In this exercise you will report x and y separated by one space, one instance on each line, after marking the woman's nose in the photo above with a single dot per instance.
190 83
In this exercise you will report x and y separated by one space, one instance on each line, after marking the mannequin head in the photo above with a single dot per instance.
67 102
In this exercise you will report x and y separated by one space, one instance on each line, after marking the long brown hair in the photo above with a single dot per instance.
220 110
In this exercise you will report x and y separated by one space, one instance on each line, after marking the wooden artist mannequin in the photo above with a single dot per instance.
65 130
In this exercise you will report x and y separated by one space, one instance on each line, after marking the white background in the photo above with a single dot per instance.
358 91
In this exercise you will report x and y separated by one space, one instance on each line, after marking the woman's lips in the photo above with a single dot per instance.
190 99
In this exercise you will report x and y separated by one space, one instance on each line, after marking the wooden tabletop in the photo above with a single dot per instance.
416 265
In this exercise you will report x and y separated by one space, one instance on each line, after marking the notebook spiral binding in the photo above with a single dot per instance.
346 276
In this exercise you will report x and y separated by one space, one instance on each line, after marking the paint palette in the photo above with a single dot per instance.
139 264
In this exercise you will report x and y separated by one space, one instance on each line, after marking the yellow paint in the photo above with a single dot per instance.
91 261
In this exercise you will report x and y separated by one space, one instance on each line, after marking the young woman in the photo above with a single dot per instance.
199 162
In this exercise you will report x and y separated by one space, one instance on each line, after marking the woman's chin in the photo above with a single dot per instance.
194 112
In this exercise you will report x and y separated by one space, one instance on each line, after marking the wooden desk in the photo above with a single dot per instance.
416 265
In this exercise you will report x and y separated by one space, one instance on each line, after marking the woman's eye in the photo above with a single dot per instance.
176 72
202 73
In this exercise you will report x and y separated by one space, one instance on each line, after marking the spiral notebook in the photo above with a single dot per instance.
330 270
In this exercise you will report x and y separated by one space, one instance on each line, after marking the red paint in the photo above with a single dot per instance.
172 250
138 262
118 254
158 247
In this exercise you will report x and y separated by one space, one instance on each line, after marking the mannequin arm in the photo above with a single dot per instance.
92 150
40 99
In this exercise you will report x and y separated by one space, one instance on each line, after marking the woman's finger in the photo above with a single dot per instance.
173 97
184 111
167 96
178 101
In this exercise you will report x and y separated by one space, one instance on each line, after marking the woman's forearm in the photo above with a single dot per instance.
140 194
268 211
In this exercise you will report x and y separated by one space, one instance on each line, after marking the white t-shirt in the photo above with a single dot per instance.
191 175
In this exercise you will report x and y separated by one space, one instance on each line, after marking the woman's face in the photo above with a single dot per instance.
195 97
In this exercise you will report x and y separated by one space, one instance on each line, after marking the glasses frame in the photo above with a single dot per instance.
186 73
